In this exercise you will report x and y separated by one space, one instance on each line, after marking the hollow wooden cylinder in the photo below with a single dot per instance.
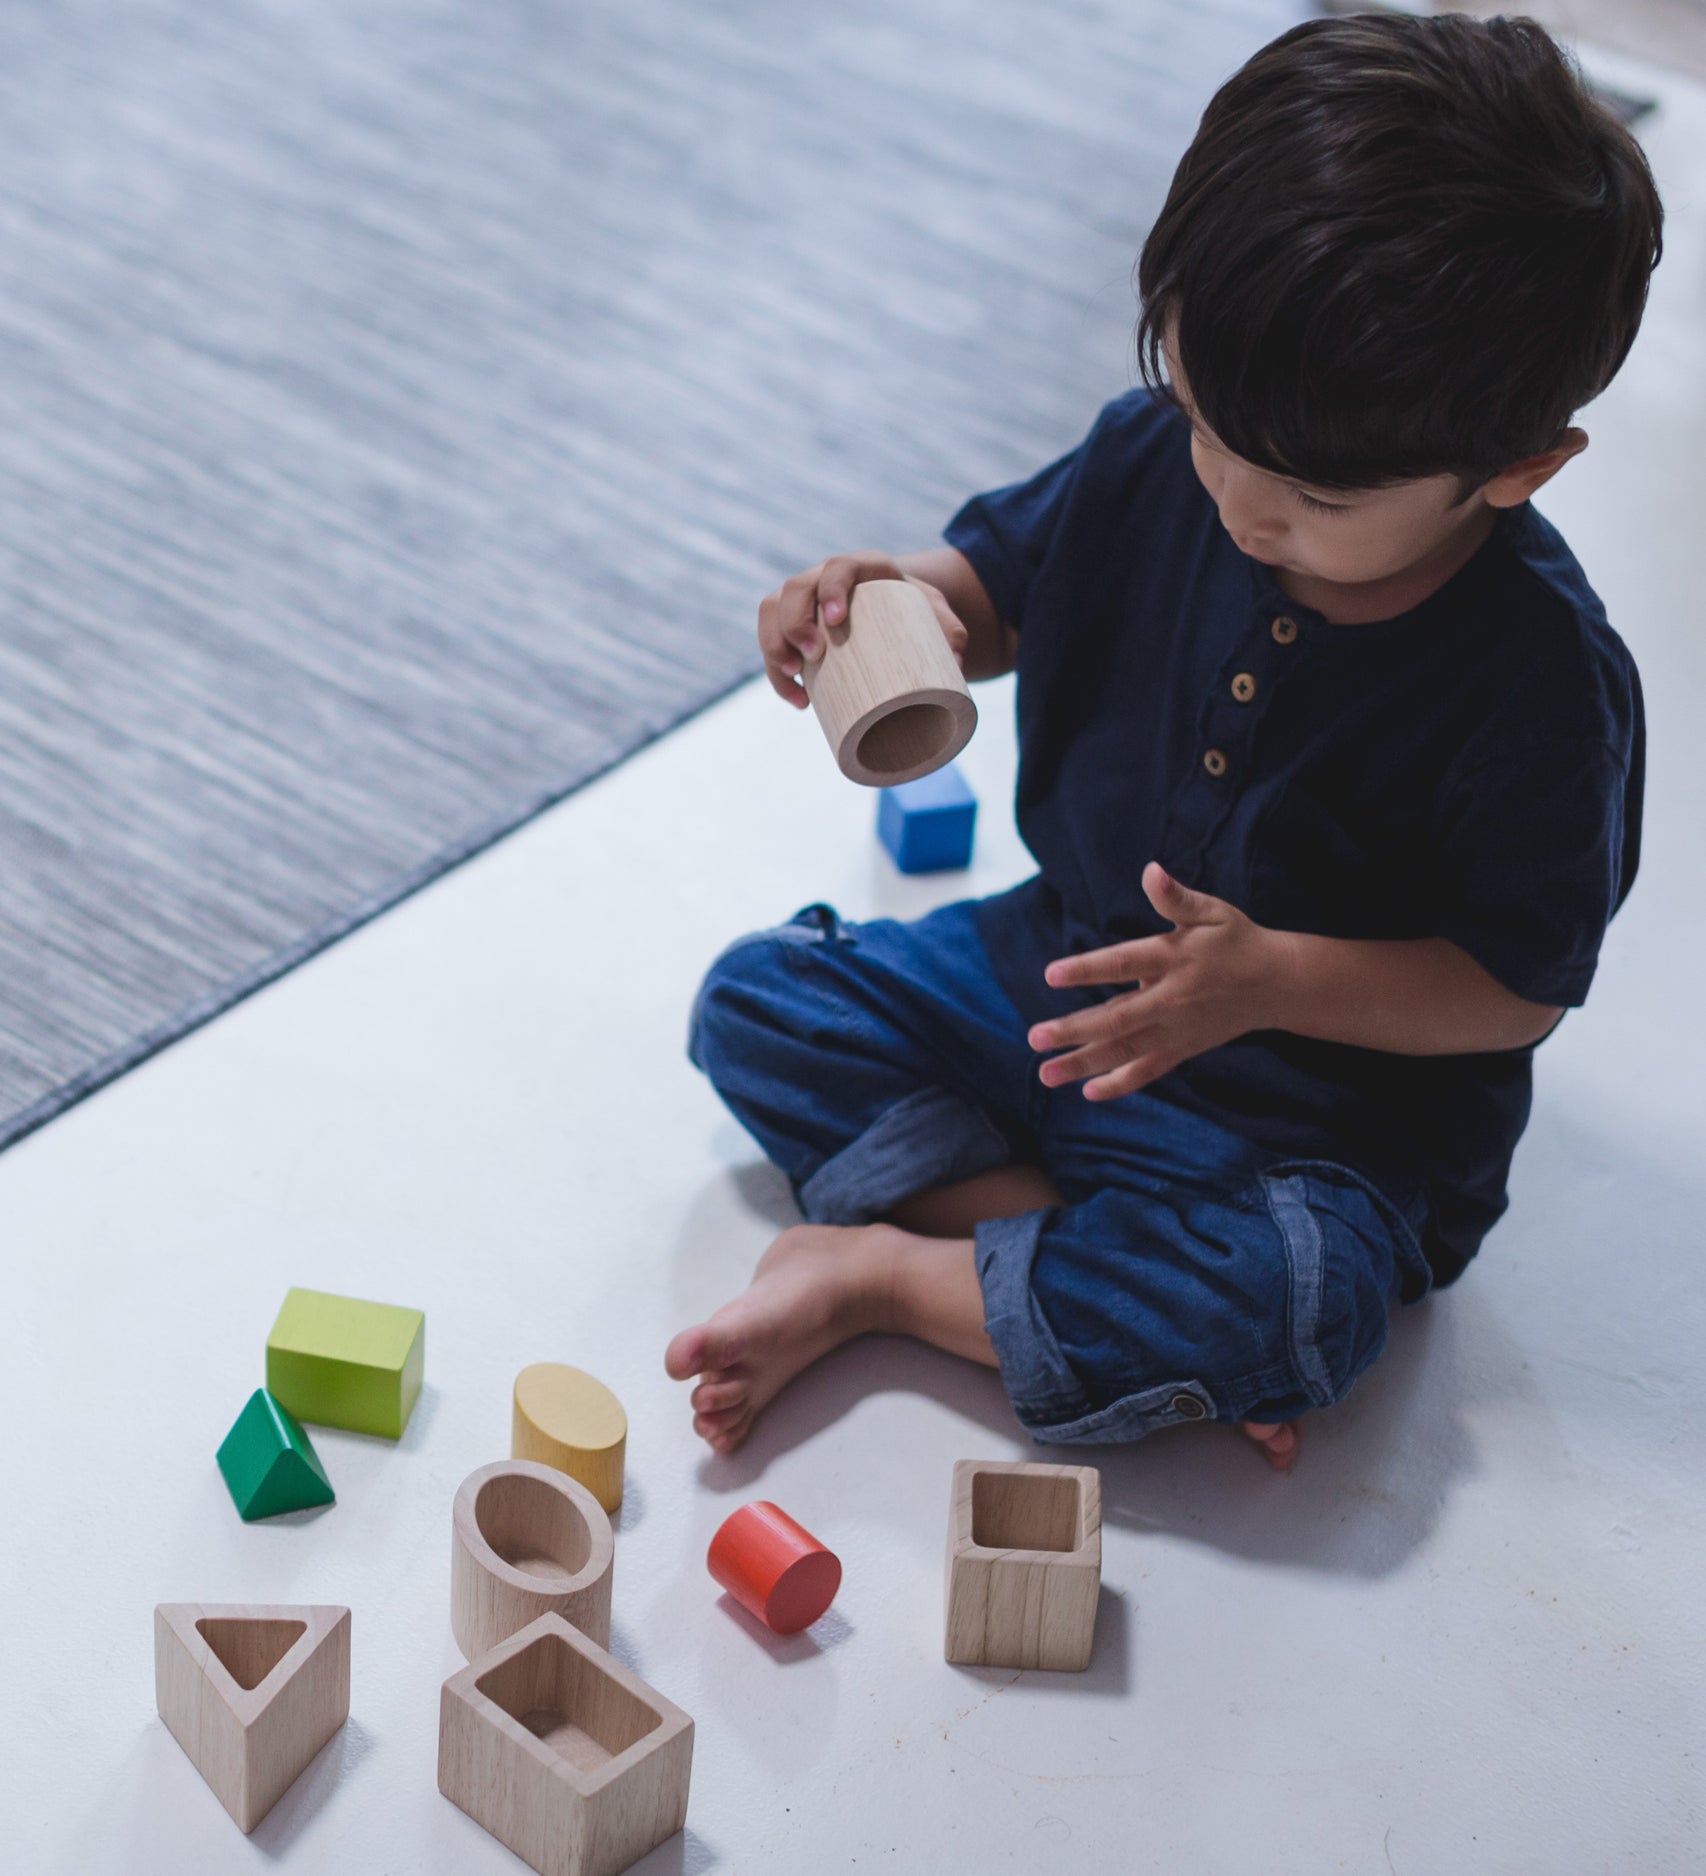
774 1568
887 690
568 1420
526 1541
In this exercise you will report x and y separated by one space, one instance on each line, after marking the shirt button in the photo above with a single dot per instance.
1243 687
1188 1407
1284 630
1215 761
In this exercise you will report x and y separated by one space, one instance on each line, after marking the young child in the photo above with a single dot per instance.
1328 758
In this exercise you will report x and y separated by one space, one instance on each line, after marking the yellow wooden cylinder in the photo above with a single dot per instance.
567 1419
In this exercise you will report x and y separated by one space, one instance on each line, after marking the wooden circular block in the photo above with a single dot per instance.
887 690
566 1419
527 1542
773 1567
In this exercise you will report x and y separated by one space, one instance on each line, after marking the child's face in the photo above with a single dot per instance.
1321 535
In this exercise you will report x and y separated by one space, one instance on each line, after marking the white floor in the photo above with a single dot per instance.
1466 1636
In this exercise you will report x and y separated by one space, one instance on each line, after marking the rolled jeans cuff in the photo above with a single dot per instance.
1047 1396
1043 1389
928 1138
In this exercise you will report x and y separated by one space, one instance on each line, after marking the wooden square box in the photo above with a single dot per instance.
562 1753
1024 1564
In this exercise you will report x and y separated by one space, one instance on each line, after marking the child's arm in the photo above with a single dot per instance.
991 646
789 620
1217 975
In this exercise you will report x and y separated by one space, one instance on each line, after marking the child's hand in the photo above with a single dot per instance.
1211 978
791 622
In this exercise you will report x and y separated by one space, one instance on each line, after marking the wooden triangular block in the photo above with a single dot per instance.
251 1691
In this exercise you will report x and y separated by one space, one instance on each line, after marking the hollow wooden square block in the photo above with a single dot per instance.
562 1754
251 1692
1024 1565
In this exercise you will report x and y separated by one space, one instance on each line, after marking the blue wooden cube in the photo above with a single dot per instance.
927 824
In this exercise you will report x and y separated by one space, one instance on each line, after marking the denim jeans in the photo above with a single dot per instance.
1187 1275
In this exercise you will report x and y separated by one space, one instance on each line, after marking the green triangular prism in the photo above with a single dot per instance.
269 1464
293 1483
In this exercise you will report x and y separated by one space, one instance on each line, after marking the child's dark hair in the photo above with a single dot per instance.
1398 247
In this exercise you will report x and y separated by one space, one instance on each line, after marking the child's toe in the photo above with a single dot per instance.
685 1356
713 1425
1279 1443
718 1396
732 1435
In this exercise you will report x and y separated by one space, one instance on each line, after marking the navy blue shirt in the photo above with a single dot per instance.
1470 769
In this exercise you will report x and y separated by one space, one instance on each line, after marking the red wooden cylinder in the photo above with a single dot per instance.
773 1567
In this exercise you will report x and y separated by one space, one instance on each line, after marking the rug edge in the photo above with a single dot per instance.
322 937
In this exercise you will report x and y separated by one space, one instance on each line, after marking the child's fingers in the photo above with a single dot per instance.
784 681
838 576
1102 1022
1098 1059
1113 964
1130 1077
952 629
793 621
782 661
796 616
1180 905
1065 1068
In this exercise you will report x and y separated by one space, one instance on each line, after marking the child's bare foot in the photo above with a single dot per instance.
819 1286
1279 1443
815 1288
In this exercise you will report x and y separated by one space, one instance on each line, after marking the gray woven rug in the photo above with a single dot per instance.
403 404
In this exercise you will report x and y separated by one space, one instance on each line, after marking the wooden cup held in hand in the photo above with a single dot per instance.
887 690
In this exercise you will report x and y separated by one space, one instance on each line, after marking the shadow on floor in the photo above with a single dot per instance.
1547 1326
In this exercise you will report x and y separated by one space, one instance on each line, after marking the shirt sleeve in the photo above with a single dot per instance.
1007 533
1537 855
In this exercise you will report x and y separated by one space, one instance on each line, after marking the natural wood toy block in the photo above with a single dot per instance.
269 1463
887 690
566 1419
526 1541
342 1363
1024 1564
251 1691
562 1753
927 825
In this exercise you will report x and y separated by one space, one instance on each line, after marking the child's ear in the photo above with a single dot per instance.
1514 485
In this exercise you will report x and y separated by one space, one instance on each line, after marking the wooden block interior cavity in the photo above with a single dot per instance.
1022 1511
526 1541
1024 1565
251 1692
563 1754
338 1362
570 1420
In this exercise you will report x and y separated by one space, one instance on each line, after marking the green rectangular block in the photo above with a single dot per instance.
337 1362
